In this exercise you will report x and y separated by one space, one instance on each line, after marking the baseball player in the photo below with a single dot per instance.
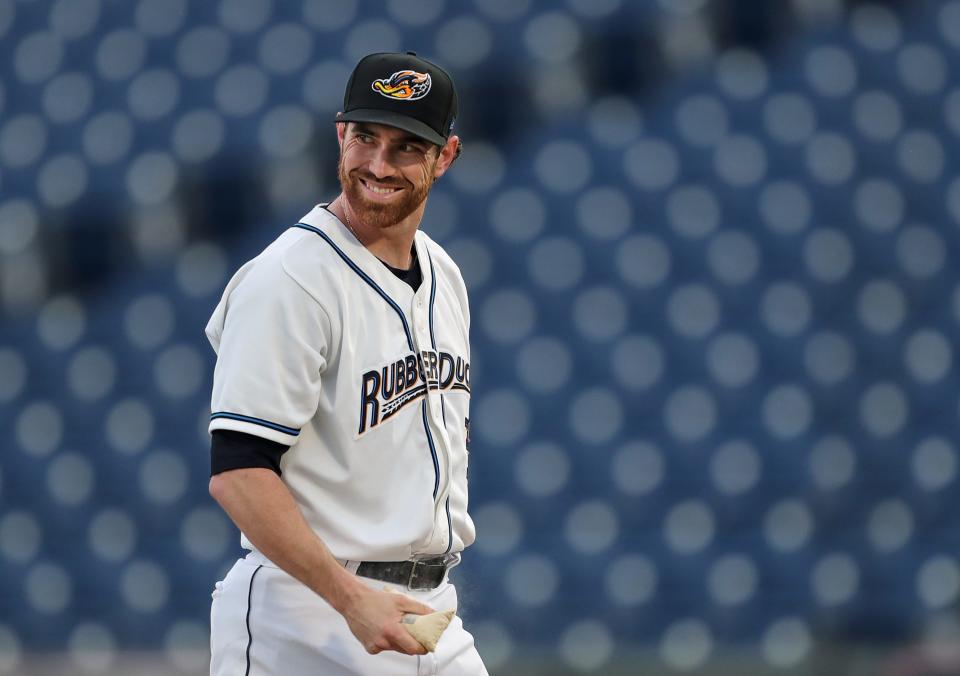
340 409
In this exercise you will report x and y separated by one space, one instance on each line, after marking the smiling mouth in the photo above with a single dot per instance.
379 190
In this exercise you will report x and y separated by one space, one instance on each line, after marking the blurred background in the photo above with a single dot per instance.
709 246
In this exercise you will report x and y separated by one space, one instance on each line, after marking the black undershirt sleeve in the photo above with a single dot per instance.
237 450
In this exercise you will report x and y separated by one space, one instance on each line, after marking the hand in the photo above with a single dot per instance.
374 618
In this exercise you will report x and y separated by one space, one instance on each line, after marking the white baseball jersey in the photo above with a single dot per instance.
321 347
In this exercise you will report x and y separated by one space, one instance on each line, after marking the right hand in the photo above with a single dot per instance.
374 618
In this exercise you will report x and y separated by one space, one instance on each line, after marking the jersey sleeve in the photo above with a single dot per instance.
272 341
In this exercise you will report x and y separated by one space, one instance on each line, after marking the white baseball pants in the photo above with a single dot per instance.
263 622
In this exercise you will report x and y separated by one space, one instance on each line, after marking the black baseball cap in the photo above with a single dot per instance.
402 90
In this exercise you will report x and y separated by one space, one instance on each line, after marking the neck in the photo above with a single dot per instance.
391 244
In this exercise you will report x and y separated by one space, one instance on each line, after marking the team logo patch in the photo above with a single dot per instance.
405 85
388 389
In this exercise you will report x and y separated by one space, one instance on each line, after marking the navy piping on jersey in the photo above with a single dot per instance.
433 450
433 297
449 529
443 407
406 328
292 431
249 605
433 337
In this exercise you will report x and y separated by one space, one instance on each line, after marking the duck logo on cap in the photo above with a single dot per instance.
405 85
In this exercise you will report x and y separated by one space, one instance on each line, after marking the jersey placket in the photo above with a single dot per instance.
433 401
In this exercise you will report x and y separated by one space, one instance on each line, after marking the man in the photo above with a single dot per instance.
341 409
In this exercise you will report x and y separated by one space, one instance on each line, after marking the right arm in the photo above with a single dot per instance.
262 507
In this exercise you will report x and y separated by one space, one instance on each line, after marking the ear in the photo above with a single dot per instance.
341 131
448 153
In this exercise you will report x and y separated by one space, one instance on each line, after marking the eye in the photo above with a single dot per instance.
417 148
363 138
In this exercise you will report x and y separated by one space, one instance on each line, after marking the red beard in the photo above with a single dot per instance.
377 214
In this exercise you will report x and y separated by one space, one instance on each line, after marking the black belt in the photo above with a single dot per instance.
419 575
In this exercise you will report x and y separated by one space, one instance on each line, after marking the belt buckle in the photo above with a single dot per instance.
412 584
413 574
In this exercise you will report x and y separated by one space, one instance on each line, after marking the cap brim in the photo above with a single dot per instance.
415 127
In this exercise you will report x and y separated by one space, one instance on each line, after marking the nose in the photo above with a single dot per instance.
380 165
